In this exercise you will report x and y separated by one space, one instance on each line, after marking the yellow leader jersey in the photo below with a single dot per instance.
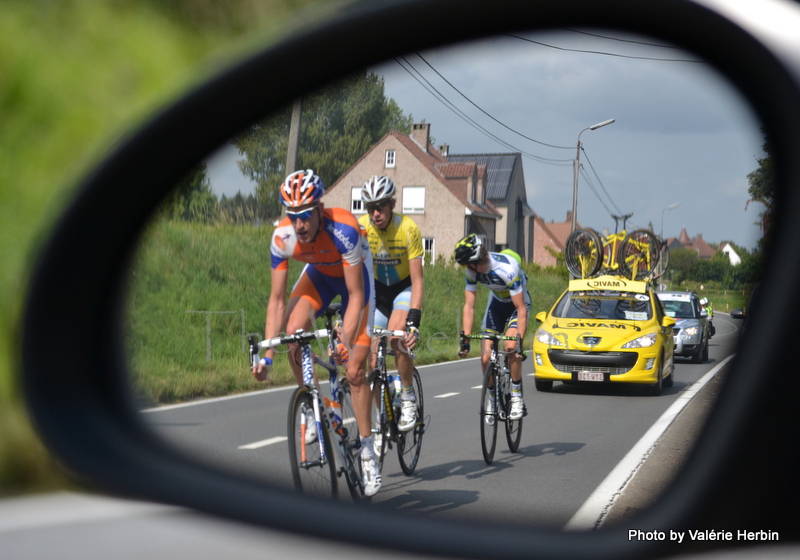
393 248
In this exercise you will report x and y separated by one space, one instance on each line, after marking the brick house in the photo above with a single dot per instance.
549 235
505 190
447 200
697 244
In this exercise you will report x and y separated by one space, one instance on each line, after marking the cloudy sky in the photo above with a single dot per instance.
681 134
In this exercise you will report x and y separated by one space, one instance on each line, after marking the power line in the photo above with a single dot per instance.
430 88
599 181
646 43
605 53
485 112
594 190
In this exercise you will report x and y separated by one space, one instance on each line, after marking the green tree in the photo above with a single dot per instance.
681 262
764 186
192 199
339 124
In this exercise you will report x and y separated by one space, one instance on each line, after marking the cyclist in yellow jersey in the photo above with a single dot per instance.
396 247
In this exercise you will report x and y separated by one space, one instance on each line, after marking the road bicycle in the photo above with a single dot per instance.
386 412
496 398
317 462
633 255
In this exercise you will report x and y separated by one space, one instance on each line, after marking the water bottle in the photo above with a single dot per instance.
333 416
396 386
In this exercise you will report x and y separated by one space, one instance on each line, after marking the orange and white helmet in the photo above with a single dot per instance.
301 188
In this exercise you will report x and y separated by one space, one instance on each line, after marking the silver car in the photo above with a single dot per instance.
691 331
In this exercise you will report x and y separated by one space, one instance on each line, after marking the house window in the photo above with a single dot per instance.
429 249
356 204
413 200
389 158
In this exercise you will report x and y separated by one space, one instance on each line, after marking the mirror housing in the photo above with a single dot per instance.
82 405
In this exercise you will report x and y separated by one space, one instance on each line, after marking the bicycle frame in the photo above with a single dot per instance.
307 361
380 369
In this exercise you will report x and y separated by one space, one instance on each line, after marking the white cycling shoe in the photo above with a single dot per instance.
488 414
371 474
408 416
517 408
311 430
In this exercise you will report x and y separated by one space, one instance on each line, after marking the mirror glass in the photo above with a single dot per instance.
481 137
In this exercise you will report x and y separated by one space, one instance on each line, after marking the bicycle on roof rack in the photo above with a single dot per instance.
635 255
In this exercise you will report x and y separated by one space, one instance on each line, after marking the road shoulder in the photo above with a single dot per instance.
666 458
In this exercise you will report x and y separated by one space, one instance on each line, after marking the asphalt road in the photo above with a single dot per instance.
572 439
573 442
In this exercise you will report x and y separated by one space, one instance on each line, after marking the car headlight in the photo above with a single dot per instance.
545 337
691 331
645 341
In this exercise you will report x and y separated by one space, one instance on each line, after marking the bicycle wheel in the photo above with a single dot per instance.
513 427
409 444
638 254
351 444
489 413
312 474
583 253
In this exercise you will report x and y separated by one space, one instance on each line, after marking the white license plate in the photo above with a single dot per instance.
589 376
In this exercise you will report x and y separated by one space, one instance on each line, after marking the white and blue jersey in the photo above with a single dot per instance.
505 279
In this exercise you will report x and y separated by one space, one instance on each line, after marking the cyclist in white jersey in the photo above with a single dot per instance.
506 311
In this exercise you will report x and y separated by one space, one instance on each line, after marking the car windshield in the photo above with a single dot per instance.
604 305
679 309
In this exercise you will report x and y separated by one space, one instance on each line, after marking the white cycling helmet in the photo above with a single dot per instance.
704 301
378 188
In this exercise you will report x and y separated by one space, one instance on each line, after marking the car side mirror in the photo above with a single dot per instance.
541 316
737 313
667 322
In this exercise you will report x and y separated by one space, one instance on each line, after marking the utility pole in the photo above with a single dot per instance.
294 137
294 142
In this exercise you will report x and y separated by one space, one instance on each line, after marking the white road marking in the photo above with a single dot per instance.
593 511
445 395
263 443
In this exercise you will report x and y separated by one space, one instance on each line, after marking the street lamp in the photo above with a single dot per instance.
670 207
577 167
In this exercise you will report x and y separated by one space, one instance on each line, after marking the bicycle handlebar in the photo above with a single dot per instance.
487 337
296 338
382 333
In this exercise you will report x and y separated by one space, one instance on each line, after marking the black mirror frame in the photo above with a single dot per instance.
73 358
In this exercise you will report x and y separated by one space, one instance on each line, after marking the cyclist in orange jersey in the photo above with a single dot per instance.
338 262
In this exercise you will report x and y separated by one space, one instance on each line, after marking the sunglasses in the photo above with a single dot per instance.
302 215
379 206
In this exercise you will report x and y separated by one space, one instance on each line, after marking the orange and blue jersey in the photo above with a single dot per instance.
340 242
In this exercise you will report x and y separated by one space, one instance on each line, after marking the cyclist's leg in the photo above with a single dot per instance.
308 298
359 386
397 322
515 366
515 363
489 325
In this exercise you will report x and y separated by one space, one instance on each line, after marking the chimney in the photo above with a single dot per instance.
421 133
444 149
569 215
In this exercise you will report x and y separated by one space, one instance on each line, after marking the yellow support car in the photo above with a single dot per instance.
604 330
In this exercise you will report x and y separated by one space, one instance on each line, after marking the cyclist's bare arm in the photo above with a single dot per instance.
417 291
468 316
276 312
354 280
522 316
